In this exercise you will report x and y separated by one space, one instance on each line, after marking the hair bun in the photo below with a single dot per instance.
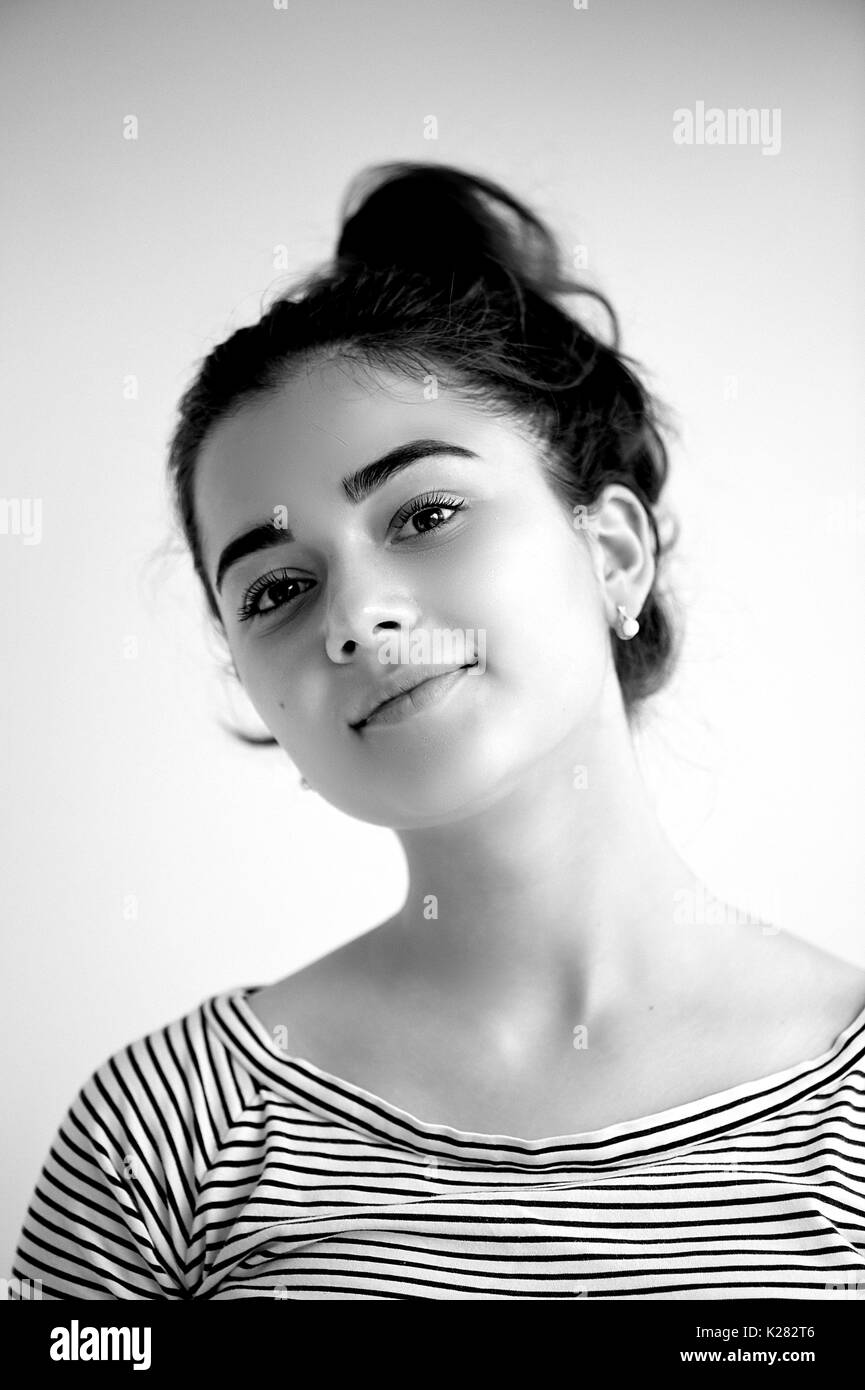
437 220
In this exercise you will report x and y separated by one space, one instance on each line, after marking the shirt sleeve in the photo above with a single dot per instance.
102 1222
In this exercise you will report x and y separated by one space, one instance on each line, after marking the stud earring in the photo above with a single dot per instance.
626 627
304 785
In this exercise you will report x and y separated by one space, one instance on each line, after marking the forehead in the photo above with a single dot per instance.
302 438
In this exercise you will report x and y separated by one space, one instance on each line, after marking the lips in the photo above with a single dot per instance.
401 685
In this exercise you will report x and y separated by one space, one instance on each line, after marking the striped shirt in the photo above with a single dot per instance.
201 1161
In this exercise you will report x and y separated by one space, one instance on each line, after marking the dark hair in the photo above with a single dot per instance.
440 271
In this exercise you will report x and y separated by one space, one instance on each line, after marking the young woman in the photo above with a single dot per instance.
421 499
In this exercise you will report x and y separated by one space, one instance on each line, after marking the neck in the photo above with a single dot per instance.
557 900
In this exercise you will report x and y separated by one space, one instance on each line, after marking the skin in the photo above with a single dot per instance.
559 901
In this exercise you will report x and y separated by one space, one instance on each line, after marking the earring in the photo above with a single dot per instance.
304 785
626 627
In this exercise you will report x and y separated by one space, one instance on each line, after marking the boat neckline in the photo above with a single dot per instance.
359 1103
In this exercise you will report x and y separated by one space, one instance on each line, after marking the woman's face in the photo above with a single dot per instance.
493 570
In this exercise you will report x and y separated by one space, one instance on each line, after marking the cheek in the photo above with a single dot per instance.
281 696
546 635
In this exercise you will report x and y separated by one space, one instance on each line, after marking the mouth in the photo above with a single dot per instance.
406 703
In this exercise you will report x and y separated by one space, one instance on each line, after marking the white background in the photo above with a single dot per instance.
122 793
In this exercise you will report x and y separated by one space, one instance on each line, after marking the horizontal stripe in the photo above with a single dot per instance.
202 1162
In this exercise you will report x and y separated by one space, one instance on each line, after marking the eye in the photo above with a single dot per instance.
432 502
277 580
280 582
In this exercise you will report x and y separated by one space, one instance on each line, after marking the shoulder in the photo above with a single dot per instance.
834 987
805 995
164 1045
110 1215
159 1080
312 1008
340 1009
815 975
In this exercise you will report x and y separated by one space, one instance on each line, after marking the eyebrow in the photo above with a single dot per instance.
356 487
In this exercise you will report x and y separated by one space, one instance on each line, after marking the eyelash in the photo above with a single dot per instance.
430 501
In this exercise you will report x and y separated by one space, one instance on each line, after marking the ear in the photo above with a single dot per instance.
623 549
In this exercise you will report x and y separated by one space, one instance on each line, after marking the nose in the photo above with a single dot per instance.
365 605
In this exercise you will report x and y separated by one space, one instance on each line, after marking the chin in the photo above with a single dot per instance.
444 790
